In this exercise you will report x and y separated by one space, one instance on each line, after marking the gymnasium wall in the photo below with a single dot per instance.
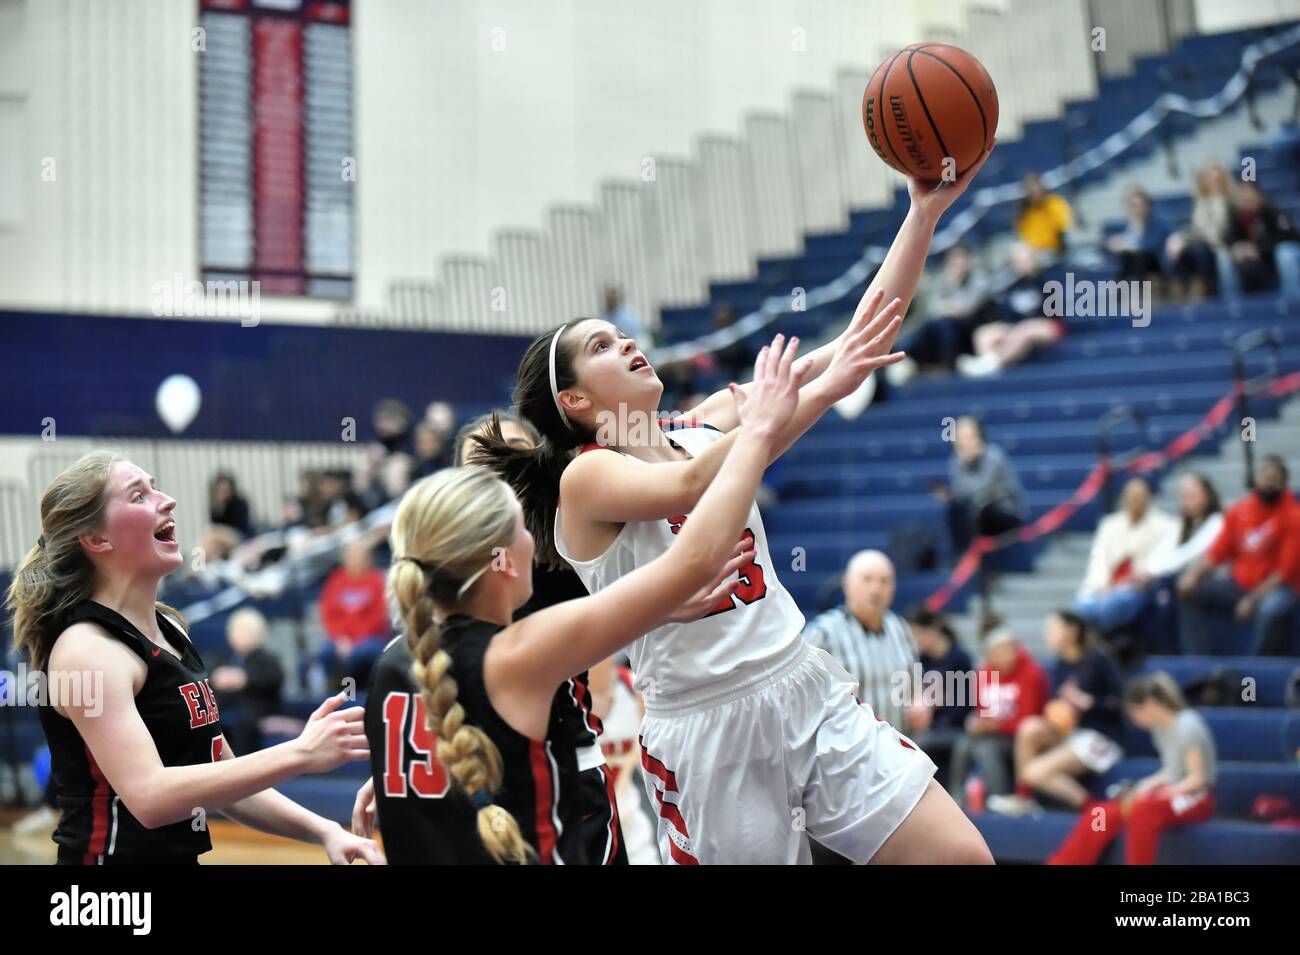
564 100
98 374
99 124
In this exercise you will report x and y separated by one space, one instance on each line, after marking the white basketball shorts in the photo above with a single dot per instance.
745 772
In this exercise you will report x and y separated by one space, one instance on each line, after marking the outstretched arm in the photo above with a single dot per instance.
615 490
897 277
275 813
157 795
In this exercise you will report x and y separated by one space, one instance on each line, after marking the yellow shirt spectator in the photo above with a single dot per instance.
1042 224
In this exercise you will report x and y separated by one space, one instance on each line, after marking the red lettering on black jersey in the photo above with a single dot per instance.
190 693
210 698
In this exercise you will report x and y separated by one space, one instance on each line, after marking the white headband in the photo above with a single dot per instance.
460 592
555 391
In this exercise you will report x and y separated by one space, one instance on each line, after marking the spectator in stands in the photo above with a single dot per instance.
1009 688
440 417
734 360
1180 792
249 682
382 477
342 504
623 317
1140 248
682 390
312 511
1021 327
1198 253
1112 595
1251 571
429 452
936 726
1263 244
518 434
354 614
1042 219
1199 523
867 638
983 493
1200 518
228 515
1081 726
392 422
227 507
960 301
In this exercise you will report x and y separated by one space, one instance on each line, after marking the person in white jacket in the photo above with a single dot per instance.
1201 519
1125 540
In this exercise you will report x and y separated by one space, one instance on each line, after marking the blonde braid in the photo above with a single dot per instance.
466 752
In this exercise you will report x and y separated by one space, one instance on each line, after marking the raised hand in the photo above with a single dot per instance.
774 394
333 737
933 200
864 347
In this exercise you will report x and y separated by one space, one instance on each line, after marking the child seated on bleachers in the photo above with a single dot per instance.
1180 792
1080 728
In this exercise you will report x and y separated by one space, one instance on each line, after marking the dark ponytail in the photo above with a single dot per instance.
534 473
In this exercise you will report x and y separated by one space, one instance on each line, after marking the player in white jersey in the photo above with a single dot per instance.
752 740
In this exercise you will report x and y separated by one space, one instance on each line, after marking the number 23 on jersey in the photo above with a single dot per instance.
752 587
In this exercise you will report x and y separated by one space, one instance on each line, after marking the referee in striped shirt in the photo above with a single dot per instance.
867 638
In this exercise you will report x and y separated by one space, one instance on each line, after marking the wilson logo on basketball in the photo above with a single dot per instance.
928 103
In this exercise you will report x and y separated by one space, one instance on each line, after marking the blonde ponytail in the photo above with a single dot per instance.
448 527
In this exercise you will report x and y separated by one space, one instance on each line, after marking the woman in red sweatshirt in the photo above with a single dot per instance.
354 615
1009 688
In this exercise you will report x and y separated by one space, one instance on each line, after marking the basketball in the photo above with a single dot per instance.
928 103
1061 715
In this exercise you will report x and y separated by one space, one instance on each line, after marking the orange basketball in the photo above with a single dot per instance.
1061 715
927 103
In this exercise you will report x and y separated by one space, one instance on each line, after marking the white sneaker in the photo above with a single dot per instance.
977 366
900 374
1014 806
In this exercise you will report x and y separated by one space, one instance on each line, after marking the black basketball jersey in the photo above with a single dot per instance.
425 820
179 709
550 587
559 789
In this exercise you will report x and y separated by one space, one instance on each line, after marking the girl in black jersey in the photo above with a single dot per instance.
424 819
463 563
138 758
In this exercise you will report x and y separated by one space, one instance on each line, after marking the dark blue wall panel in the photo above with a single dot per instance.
97 375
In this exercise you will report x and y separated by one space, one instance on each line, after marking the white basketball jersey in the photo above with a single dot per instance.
756 623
